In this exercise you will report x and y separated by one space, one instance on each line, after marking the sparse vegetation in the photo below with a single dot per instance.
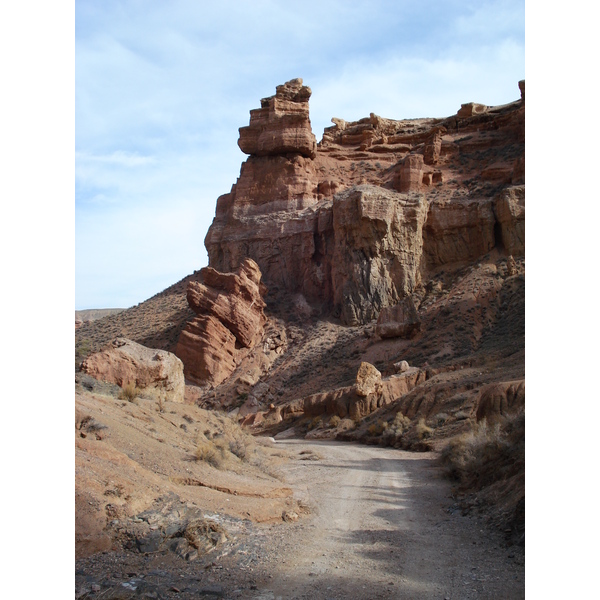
316 422
208 452
129 392
487 453
334 421
422 430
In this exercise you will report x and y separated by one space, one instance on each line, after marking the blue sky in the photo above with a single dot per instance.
161 89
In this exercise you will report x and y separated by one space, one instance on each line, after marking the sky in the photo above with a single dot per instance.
161 89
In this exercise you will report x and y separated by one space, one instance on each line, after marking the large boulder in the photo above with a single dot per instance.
400 320
127 362
368 380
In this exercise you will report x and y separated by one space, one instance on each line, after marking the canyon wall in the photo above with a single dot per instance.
356 222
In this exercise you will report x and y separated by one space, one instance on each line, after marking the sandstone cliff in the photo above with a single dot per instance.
355 223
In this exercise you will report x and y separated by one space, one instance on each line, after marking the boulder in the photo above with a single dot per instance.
401 366
368 380
127 362
400 320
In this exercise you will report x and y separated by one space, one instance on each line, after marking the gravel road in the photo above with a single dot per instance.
383 526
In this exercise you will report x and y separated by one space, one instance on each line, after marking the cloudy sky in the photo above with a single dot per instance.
161 89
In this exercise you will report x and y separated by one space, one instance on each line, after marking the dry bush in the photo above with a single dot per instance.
129 392
239 447
400 423
334 421
209 453
487 453
422 430
316 422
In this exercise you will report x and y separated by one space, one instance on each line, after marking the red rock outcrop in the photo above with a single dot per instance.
127 362
231 316
458 231
347 402
281 125
305 215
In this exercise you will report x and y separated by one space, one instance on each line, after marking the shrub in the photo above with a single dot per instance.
239 447
334 421
208 453
422 430
129 392
487 453
377 428
400 423
316 422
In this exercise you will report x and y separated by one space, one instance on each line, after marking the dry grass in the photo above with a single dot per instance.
422 430
208 452
129 392
489 466
486 454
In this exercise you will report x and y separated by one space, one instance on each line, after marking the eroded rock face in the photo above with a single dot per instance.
497 400
128 362
378 248
231 316
281 125
509 208
458 231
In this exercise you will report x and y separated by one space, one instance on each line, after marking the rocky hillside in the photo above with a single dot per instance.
393 243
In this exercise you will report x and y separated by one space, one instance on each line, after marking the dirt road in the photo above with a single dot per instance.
382 527
382 524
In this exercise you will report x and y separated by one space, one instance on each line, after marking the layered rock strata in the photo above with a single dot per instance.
231 317
355 223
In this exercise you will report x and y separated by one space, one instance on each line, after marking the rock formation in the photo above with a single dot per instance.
281 124
401 320
354 223
230 317
127 362
496 400
509 208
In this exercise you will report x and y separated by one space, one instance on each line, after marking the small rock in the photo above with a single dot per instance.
289 516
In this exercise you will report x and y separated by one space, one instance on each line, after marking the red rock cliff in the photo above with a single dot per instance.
354 223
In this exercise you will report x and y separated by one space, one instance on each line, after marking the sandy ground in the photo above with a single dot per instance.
383 526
